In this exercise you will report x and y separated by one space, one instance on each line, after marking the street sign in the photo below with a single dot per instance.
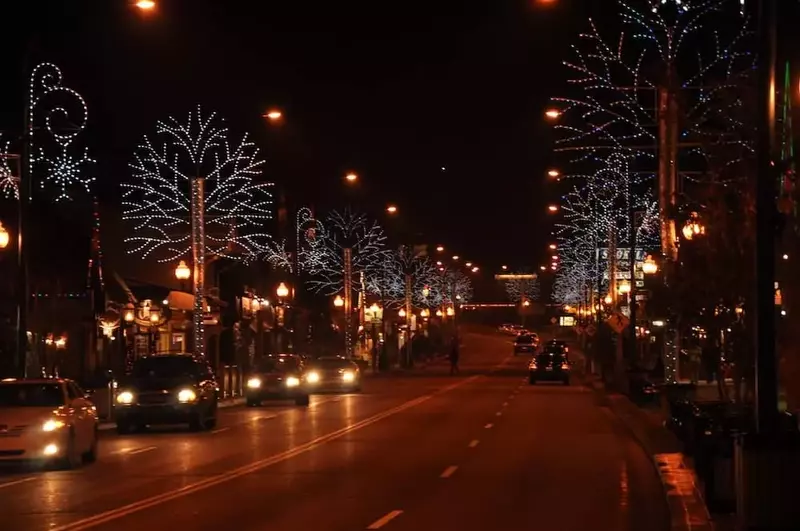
590 330
553 320
618 322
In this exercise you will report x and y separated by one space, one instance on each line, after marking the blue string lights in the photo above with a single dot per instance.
157 202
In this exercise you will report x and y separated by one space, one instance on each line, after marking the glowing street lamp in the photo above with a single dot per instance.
401 313
440 249
552 208
553 114
146 5
554 173
649 267
338 301
552 247
475 269
543 268
468 264
273 115
351 177
282 291
455 258
391 209
426 291
504 268
5 237
183 272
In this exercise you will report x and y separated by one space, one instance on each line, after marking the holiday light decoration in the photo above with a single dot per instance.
389 280
323 253
522 289
165 172
450 286
9 183
56 115
609 129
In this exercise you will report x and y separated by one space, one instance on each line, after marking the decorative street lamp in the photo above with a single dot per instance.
693 227
183 272
649 267
338 301
426 291
5 237
282 291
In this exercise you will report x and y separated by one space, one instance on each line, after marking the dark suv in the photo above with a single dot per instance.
167 389
552 364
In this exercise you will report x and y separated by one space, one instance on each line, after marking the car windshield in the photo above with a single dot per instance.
525 339
552 355
332 363
31 395
165 367
277 364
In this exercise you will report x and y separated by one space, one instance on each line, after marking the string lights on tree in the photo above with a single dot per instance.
9 183
389 281
157 203
522 289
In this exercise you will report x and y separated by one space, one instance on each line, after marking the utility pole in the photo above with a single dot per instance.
348 301
409 319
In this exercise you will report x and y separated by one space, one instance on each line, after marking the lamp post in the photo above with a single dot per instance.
5 237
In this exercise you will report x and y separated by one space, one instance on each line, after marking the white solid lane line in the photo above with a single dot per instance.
380 522
474 443
16 482
488 425
133 451
505 404
449 471
220 430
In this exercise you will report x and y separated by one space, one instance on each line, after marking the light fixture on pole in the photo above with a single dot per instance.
282 291
649 267
338 301
183 272
5 237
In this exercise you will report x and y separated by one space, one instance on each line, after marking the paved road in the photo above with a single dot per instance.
480 451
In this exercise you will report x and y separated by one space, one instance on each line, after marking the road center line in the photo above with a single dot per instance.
474 443
146 503
141 450
499 413
488 426
220 430
377 524
16 482
449 471
505 404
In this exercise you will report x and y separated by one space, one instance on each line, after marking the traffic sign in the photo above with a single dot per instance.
618 322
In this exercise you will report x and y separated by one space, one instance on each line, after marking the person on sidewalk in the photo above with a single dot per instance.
454 355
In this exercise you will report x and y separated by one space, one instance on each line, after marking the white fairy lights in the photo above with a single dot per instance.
389 280
157 203
323 254
522 289
56 115
9 183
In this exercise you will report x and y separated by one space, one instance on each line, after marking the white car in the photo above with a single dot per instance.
46 420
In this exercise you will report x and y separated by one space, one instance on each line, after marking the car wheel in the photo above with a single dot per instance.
303 400
72 457
91 454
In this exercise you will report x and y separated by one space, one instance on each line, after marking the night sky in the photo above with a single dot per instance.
391 90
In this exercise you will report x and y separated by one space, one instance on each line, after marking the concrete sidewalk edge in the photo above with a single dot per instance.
225 403
687 507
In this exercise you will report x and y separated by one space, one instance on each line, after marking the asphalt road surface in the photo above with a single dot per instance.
422 451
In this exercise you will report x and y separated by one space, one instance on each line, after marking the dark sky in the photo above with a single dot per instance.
391 90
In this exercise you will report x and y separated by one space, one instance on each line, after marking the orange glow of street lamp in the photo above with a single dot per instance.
543 268
475 269
552 114
391 209
440 249
146 5
468 264
554 173
553 208
273 115
505 268
351 177
552 247
182 272
455 258
5 237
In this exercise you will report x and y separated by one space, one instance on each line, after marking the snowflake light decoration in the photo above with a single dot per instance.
157 202
324 258
56 115
9 183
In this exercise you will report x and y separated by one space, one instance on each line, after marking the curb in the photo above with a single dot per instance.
228 402
687 508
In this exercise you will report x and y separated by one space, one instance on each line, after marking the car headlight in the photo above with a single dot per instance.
125 397
312 377
186 395
348 376
53 425
291 381
253 383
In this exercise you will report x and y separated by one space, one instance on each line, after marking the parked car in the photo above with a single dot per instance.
167 389
50 420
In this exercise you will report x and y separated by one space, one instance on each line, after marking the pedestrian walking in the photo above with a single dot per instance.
454 355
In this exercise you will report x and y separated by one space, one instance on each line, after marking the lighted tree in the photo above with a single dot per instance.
389 280
323 256
9 183
450 286
522 289
157 201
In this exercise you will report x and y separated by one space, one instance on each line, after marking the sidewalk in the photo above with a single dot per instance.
682 487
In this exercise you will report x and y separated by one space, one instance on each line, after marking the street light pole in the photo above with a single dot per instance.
198 263
348 301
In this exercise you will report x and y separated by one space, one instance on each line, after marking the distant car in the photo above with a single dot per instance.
167 389
525 344
278 377
551 364
47 420
505 328
558 343
333 373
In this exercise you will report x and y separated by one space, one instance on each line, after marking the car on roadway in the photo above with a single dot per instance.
167 389
333 373
278 377
47 420
551 364
558 343
526 344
